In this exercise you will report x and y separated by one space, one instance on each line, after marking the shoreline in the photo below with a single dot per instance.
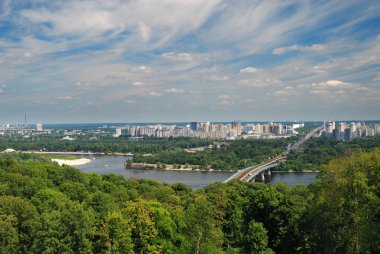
183 169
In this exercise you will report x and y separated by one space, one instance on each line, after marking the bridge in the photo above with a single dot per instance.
253 172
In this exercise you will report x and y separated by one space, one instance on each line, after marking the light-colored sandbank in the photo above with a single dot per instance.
78 153
77 162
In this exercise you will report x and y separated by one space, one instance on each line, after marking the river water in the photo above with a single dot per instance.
195 179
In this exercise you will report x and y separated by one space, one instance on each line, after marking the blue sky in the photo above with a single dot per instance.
175 60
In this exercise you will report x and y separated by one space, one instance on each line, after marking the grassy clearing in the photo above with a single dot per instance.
62 157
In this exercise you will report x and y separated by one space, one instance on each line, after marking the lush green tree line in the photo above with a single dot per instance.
45 208
106 144
237 155
318 151
232 155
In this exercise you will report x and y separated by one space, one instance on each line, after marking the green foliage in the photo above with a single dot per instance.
319 151
106 144
347 207
45 208
236 155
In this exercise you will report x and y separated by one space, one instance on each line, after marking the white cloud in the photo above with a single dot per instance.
28 55
144 31
68 97
154 22
340 92
333 83
142 68
82 84
156 94
219 78
319 92
312 48
131 101
280 93
249 70
137 83
177 56
260 82
224 96
226 102
174 90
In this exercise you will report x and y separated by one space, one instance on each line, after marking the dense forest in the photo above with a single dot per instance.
103 144
45 208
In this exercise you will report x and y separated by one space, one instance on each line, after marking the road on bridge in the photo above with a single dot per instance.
249 173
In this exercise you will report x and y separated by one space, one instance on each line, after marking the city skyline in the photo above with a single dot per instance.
173 61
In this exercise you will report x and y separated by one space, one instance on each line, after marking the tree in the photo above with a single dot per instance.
347 207
20 220
65 227
204 236
256 239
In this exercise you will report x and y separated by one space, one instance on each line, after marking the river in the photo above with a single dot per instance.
195 179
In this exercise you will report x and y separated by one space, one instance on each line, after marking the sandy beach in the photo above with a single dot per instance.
77 162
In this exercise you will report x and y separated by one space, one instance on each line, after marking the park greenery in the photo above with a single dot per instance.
47 208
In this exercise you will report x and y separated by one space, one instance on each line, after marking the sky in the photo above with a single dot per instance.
173 60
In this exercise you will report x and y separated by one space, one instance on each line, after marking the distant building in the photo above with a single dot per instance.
353 127
39 127
336 134
377 129
194 126
236 128
342 127
9 150
329 126
370 132
117 133
258 128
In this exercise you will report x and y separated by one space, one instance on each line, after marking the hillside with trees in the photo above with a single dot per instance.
46 208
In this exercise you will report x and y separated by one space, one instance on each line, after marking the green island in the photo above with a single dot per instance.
230 155
46 208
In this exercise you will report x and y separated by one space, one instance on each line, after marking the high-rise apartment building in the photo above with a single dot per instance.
39 127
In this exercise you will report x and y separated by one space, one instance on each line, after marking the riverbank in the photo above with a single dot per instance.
179 169
170 167
72 162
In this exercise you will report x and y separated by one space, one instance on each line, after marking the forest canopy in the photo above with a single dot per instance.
46 208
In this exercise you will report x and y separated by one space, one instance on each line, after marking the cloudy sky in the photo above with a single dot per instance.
176 60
